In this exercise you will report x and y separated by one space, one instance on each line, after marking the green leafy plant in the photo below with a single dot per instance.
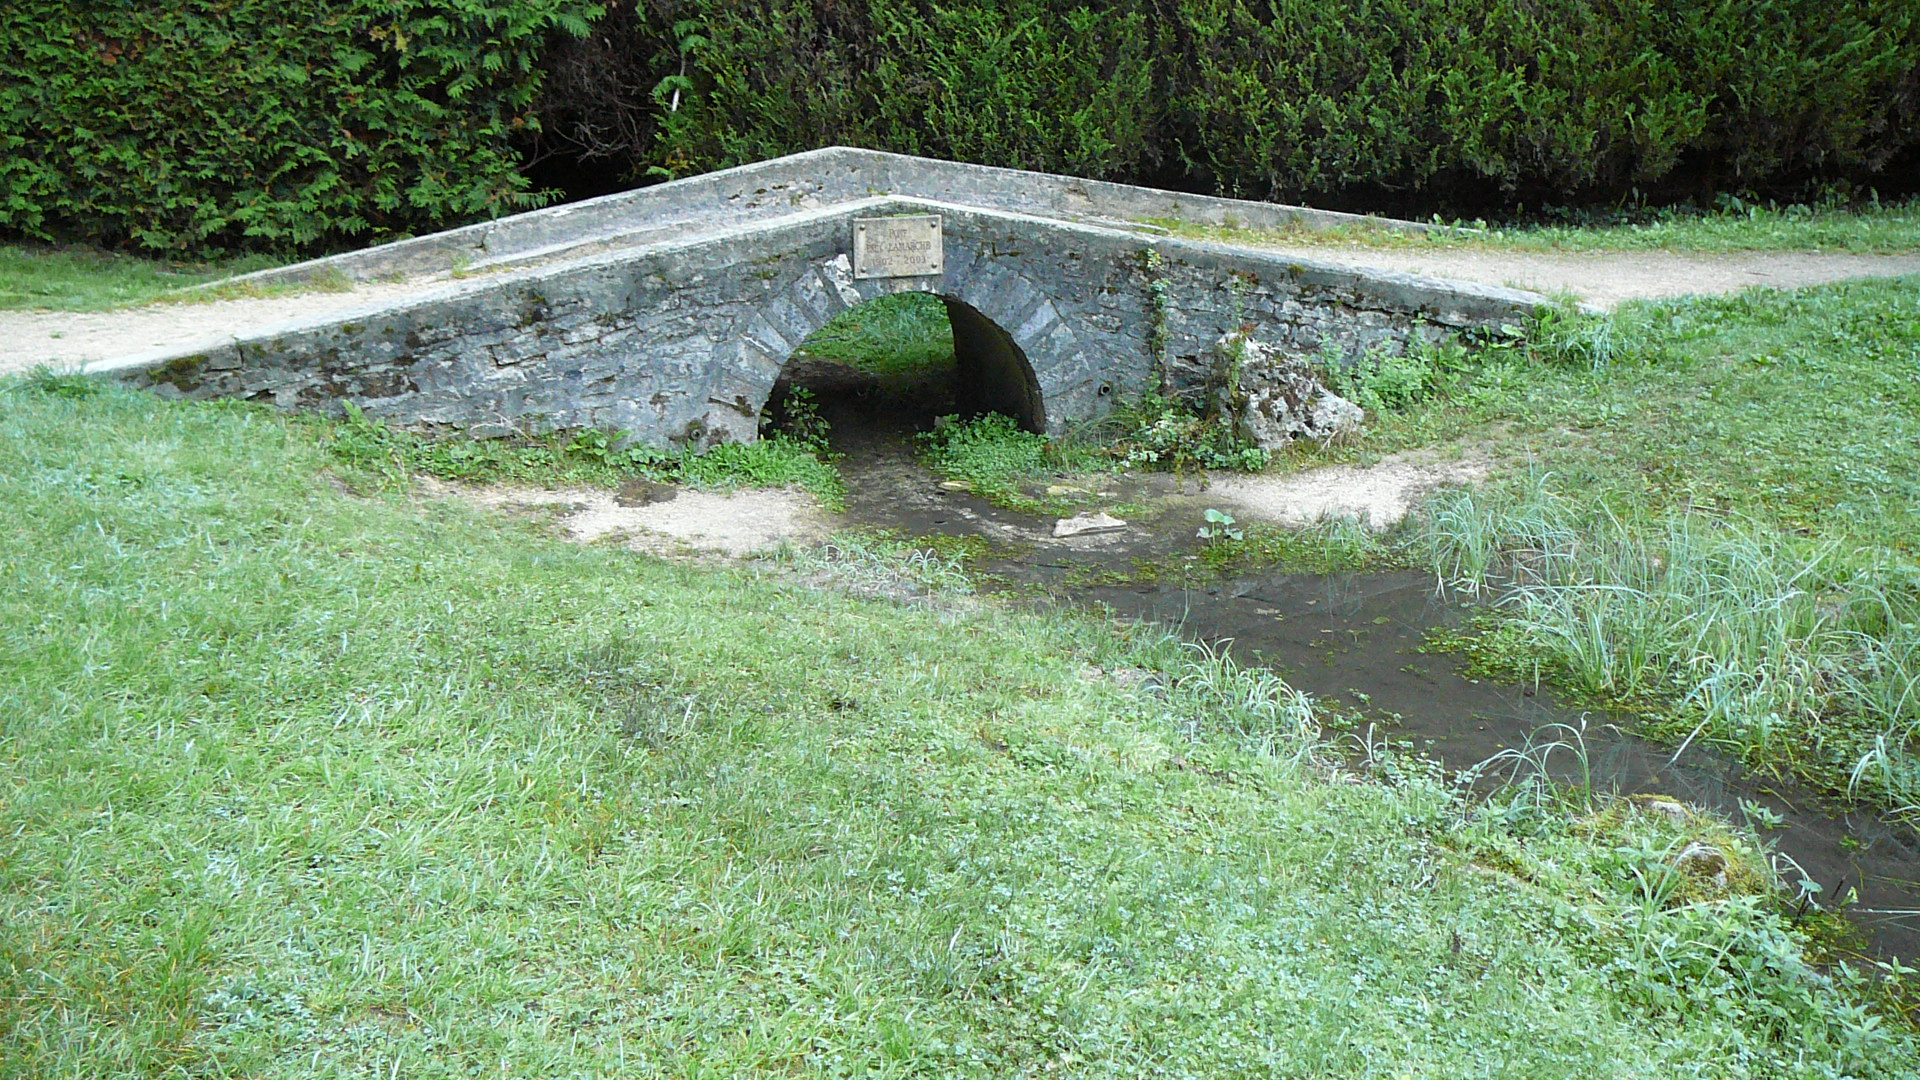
1159 433
1761 816
1159 310
1381 380
800 421
1220 526
991 453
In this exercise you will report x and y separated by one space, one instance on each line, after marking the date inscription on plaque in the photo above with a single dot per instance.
898 247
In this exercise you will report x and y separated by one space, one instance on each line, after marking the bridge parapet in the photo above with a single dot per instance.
767 190
679 338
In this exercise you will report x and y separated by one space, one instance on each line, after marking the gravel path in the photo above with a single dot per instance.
1607 278
68 339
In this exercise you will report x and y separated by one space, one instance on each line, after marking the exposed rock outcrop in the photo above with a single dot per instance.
1276 398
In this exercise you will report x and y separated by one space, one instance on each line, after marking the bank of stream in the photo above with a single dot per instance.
1358 642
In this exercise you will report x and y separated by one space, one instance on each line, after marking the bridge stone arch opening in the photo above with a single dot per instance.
991 373
901 359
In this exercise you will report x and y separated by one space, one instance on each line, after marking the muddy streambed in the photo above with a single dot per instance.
1355 640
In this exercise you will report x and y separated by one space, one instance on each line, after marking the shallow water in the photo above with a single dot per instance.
1355 639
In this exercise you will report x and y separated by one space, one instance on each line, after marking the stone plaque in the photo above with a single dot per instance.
898 247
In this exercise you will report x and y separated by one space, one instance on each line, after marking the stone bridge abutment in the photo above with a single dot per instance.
675 333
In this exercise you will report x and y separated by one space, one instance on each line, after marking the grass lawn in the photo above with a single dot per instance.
295 782
897 336
81 279
1713 514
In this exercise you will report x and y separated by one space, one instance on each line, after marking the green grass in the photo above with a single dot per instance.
1800 657
1798 410
297 783
880 563
1716 519
384 456
82 279
1341 545
902 335
1736 226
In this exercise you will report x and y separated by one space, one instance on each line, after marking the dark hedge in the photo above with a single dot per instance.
205 125
199 125
1394 102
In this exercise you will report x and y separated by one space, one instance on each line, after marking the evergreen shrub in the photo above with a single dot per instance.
206 125
1380 104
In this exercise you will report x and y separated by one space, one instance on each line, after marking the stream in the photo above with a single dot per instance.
1355 640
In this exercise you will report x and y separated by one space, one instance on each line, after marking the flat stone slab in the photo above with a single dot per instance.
1087 524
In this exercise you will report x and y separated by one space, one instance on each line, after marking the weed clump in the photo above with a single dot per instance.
1156 432
1796 654
1379 380
45 380
585 457
991 453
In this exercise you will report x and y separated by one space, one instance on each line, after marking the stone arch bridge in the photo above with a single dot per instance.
669 311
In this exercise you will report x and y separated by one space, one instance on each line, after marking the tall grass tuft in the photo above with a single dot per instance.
880 565
1738 635
1213 693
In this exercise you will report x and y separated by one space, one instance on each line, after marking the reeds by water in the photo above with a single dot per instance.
1796 654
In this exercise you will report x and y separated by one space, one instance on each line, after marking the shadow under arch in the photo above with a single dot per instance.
991 372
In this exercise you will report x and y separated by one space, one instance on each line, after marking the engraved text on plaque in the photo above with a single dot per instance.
897 247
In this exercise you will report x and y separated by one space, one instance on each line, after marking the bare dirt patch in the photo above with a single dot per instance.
733 524
1377 495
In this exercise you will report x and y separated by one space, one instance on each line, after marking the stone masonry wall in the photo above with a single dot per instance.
681 342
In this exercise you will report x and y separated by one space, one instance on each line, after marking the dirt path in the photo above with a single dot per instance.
68 339
1607 278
